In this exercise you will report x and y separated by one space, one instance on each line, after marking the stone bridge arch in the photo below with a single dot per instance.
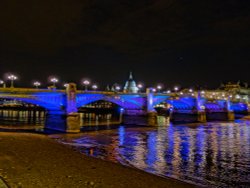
124 101
50 102
184 103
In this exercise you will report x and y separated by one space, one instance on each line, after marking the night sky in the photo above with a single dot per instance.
186 42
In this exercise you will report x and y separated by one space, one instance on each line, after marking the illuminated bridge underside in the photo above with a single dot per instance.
56 101
124 101
49 101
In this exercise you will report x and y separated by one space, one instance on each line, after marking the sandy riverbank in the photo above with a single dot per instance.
32 160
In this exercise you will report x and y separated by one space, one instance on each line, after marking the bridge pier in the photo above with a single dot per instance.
230 112
201 116
151 113
66 120
230 116
201 113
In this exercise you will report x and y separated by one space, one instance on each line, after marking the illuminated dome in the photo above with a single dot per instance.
130 86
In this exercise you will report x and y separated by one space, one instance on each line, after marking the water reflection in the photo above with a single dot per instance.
22 118
212 154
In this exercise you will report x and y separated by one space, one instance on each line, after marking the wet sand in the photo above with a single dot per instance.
32 160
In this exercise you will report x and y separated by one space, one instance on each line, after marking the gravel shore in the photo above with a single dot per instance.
32 160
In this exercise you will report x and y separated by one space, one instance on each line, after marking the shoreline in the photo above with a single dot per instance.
35 160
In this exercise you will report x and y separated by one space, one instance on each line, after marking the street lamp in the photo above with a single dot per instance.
140 86
159 87
117 88
54 81
36 84
12 78
94 87
176 88
2 83
86 83
66 85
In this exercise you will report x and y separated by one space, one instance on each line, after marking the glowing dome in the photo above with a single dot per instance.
130 86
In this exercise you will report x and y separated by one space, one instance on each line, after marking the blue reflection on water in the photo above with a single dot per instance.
212 154
152 149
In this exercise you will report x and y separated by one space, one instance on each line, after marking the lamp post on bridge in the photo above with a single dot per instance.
140 86
176 89
86 84
117 88
54 81
94 87
159 87
36 84
2 83
12 78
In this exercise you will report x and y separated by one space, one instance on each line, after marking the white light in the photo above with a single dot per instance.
117 88
86 82
36 84
140 86
153 89
1 82
159 87
202 92
168 91
65 85
54 80
12 77
190 90
181 93
176 88
94 87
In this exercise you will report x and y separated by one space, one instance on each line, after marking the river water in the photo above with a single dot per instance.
214 154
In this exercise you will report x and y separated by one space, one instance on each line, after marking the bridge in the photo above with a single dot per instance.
65 103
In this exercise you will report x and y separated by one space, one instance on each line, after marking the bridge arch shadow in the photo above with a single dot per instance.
125 102
46 103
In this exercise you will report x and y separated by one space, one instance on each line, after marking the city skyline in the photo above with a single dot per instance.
193 43
92 84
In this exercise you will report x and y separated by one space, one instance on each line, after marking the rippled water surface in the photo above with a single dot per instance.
212 154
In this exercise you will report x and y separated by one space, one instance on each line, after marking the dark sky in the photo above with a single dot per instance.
189 42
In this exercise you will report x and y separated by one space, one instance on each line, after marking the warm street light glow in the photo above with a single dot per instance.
54 81
140 86
117 88
86 83
94 87
12 78
36 84
159 87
